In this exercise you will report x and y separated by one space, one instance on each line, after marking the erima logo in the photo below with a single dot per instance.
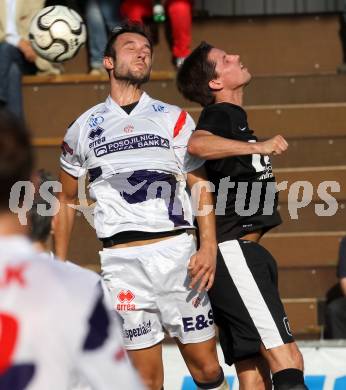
96 133
125 298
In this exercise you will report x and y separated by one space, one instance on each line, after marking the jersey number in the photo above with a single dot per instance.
259 162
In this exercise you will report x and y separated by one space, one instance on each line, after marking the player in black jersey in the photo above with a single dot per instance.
254 329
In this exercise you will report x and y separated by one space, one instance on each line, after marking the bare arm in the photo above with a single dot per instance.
208 146
63 221
202 264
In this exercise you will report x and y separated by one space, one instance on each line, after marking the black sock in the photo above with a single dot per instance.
212 385
289 379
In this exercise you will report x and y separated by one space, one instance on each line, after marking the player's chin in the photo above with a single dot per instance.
141 76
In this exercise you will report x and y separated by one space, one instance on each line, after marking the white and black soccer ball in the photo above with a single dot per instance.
57 33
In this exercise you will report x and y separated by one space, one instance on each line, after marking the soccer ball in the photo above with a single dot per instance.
57 33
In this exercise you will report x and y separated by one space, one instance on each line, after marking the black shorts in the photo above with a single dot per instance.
246 302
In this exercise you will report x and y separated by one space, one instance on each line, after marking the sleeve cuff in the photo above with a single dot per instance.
73 170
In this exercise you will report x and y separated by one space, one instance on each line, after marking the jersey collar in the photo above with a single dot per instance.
112 105
18 244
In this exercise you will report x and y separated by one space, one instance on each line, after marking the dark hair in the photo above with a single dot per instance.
16 154
40 225
194 75
125 27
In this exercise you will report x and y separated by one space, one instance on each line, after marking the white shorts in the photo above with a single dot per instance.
149 289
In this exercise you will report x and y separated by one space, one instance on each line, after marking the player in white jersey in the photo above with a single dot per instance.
133 148
53 326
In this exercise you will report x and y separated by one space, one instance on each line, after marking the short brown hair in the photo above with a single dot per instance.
125 27
16 154
194 76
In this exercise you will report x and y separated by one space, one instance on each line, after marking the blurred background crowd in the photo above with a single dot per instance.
101 16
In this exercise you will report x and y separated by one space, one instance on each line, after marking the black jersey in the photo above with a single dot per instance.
245 190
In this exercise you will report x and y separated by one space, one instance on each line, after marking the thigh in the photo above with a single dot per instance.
132 296
254 273
253 236
186 314
238 335
245 300
201 359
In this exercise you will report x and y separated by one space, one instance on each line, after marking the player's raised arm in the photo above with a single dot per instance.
71 162
64 220
209 146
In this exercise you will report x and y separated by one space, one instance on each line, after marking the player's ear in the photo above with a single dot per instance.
215 84
108 63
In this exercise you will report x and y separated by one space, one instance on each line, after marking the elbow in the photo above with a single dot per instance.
193 148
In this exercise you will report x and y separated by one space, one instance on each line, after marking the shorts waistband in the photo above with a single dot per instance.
126 237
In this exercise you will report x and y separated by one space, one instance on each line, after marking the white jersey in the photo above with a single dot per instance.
54 326
136 163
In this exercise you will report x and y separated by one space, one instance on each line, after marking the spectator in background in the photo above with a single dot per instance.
179 14
336 309
101 17
16 53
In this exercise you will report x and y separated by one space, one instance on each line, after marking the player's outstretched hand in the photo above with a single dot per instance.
275 146
202 268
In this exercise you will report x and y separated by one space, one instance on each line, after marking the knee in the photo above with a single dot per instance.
298 360
294 359
209 371
152 376
285 357
152 382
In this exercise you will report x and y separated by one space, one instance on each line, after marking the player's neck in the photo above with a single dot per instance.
10 225
40 247
230 96
124 93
